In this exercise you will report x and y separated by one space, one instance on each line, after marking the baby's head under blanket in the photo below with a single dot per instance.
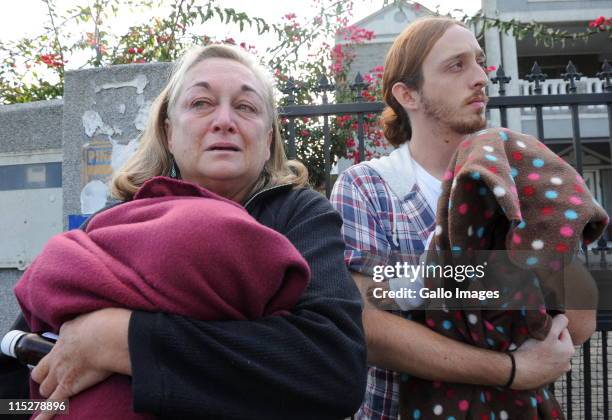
499 176
511 201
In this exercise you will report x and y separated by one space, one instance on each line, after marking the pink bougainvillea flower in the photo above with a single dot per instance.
51 60
600 22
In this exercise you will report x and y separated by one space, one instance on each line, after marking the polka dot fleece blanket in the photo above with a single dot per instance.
502 191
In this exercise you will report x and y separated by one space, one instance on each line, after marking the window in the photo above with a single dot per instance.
31 176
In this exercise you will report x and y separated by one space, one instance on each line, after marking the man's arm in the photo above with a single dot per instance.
402 345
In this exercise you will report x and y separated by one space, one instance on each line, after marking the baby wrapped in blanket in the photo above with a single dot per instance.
175 248
502 191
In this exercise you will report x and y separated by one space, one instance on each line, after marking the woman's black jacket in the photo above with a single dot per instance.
308 365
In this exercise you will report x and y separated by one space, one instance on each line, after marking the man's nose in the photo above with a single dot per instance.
224 119
480 77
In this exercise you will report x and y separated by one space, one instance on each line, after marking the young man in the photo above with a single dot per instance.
433 84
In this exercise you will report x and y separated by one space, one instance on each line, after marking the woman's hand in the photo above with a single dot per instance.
90 348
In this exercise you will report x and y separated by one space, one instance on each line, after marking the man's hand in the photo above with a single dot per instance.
405 346
90 348
539 363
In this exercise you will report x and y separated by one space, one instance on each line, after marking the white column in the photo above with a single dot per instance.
494 57
508 43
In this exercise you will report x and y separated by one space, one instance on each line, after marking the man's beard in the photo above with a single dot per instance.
445 116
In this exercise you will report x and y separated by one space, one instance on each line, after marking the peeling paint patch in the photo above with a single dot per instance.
121 108
93 196
139 82
92 123
140 122
122 152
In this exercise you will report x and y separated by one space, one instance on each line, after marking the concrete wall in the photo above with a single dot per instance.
368 56
104 112
21 133
91 131
29 133
8 305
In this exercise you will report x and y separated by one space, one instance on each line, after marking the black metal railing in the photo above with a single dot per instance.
584 393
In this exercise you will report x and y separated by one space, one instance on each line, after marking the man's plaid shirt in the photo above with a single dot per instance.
377 224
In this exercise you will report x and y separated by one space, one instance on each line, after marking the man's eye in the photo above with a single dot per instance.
457 66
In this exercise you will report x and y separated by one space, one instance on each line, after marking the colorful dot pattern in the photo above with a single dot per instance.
502 178
499 173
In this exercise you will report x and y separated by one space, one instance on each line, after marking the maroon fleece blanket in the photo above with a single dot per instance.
175 248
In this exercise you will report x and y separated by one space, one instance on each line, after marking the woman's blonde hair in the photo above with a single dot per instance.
153 158
404 63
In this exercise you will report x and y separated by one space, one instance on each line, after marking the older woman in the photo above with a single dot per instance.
215 125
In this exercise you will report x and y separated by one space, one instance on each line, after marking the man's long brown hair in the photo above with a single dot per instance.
404 63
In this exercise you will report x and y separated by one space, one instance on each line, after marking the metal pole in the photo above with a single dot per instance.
504 117
360 137
540 123
324 86
358 87
586 382
605 370
576 138
327 152
291 152
568 394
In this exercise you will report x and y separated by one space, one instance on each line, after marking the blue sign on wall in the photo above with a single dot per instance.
76 220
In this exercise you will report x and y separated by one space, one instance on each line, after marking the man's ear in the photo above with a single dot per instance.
407 97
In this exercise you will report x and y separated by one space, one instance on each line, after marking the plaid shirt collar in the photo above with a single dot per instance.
397 170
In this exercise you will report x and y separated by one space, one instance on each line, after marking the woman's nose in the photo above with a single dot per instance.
224 119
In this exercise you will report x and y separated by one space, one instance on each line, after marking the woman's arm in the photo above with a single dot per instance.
310 364
90 348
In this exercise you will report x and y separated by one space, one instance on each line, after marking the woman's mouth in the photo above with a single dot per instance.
223 147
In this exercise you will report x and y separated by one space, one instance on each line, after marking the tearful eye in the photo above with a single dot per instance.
246 108
200 103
